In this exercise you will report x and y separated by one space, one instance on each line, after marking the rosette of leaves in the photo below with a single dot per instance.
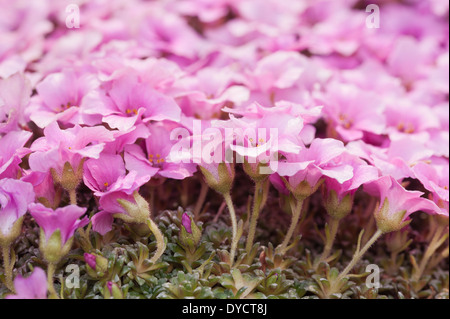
273 260
219 235
276 286
320 284
240 286
185 286
141 269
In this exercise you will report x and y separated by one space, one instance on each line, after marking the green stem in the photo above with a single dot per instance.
257 200
333 227
358 254
234 240
432 247
296 208
73 196
7 266
50 273
160 244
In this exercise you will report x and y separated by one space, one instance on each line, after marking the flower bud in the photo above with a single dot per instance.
138 212
338 208
96 265
223 182
113 290
190 233
186 222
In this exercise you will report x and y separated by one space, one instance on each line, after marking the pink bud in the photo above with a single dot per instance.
91 260
186 221
110 284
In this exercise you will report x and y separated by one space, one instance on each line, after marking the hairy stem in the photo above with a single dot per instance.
296 207
257 201
333 225
50 285
358 254
73 196
7 266
234 240
435 243
160 244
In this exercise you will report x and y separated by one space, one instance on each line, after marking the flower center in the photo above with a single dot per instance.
131 111
64 107
156 160
405 128
346 122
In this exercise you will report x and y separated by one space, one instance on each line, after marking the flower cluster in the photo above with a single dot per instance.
98 119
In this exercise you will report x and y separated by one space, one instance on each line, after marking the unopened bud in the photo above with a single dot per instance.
223 182
113 290
96 265
190 233
338 208
138 212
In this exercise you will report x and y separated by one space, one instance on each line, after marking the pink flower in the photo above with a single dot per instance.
128 102
43 187
108 179
107 174
15 92
206 92
124 138
206 10
435 178
407 119
305 170
285 76
125 204
362 174
260 133
397 203
11 152
154 157
65 219
341 32
71 145
15 196
109 204
353 111
397 159
59 97
33 287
